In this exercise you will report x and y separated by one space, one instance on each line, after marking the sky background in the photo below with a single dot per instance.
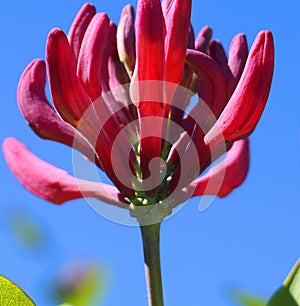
248 240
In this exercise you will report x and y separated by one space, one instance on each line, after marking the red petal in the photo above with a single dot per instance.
191 40
79 26
203 39
109 48
227 175
177 17
126 38
238 53
90 58
51 183
40 115
217 52
69 96
117 78
150 34
202 63
247 103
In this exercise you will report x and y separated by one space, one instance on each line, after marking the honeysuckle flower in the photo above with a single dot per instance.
121 95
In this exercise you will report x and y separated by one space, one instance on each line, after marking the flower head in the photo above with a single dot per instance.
122 96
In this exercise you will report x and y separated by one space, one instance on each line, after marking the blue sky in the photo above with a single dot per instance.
249 239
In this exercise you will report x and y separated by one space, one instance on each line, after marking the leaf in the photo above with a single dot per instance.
79 283
26 230
245 299
289 293
11 294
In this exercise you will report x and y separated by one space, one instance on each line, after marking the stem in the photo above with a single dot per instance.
150 236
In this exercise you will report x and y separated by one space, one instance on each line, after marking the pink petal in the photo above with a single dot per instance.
247 103
68 94
117 73
238 53
90 58
79 26
202 63
51 183
117 78
126 38
165 4
177 17
203 39
227 175
40 115
109 48
217 52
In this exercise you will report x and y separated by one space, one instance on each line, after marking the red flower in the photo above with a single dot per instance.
121 97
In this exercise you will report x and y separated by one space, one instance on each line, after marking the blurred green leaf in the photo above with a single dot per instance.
11 294
289 293
245 299
80 284
26 230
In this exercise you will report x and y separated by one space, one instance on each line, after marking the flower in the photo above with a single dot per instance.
121 96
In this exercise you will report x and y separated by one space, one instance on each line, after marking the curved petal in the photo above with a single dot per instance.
191 39
109 48
203 38
79 26
68 94
51 183
202 63
118 77
248 101
91 55
238 53
217 52
227 175
41 116
126 38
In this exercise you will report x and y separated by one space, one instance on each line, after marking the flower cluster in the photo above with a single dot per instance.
123 96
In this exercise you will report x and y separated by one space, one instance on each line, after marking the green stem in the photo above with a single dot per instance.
150 236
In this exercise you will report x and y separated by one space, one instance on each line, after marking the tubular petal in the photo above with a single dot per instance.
191 40
227 175
177 17
51 183
238 53
40 115
202 63
150 34
68 94
248 101
203 39
217 52
185 157
118 77
79 26
109 48
90 58
126 38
